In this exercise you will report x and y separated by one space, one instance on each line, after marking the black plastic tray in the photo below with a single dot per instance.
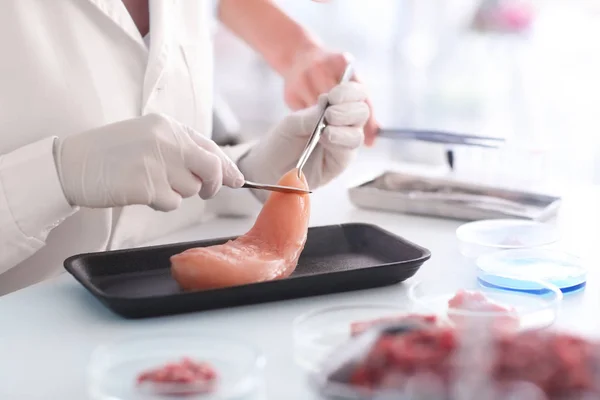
136 283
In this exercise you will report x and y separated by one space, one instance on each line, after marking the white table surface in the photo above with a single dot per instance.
48 331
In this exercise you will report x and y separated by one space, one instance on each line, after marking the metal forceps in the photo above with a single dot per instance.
275 188
321 124
442 137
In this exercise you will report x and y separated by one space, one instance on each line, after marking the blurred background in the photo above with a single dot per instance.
531 75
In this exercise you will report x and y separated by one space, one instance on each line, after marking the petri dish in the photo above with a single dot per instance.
113 369
489 236
319 332
533 309
561 269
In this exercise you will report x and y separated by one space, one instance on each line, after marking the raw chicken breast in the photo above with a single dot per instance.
270 250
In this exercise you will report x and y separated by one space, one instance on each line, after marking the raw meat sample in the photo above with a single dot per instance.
395 358
464 300
476 301
270 250
361 326
550 365
183 378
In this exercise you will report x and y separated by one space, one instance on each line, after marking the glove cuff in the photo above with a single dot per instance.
56 153
32 188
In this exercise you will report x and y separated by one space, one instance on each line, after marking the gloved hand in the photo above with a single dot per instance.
280 149
315 71
151 160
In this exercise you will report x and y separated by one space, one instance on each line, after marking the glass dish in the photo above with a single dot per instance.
488 236
318 332
114 368
535 309
563 270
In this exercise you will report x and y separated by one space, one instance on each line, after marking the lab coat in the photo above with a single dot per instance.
71 65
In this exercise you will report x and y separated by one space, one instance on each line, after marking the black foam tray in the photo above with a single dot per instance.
136 283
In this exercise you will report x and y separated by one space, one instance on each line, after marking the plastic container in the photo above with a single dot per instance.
114 368
489 236
318 332
535 309
563 270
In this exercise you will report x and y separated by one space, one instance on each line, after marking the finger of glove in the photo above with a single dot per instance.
165 198
333 162
371 128
347 92
342 137
208 167
348 114
230 173
185 183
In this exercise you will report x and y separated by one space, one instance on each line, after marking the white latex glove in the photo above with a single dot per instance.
280 149
151 160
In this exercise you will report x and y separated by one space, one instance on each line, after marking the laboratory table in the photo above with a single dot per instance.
49 330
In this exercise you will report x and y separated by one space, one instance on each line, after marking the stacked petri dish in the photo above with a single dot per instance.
509 253
475 303
329 346
115 369
489 236
564 270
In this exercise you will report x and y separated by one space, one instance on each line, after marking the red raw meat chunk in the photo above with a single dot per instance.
556 364
504 317
361 326
184 377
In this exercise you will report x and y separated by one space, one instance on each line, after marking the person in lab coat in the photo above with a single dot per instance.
105 110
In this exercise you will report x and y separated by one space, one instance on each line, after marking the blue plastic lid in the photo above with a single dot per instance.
563 270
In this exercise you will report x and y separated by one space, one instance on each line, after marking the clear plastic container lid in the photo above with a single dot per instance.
488 236
114 368
560 269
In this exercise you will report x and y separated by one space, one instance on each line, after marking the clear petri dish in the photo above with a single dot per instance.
427 387
519 310
114 368
563 270
488 236
319 332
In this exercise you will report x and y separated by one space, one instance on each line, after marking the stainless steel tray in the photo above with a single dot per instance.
446 198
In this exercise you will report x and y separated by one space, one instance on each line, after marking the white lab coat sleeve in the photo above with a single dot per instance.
235 202
32 201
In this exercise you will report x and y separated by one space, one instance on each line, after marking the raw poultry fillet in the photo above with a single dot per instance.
270 250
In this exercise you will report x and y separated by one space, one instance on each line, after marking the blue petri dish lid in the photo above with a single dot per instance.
563 270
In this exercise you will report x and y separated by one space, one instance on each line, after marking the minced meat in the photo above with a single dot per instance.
361 326
184 377
556 364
